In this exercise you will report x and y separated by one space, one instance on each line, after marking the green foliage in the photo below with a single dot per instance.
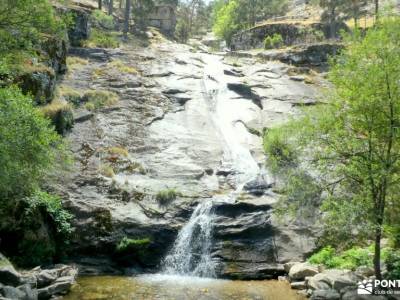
28 145
96 100
229 17
127 245
44 227
23 23
349 259
227 21
51 205
182 30
102 39
281 152
103 20
165 197
274 41
60 114
352 142
393 264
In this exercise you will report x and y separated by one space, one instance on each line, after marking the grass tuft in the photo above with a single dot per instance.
98 99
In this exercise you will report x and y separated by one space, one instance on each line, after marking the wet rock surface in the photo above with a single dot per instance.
174 127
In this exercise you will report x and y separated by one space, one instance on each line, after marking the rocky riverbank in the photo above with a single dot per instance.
38 283
320 284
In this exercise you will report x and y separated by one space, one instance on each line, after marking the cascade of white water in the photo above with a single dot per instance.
191 252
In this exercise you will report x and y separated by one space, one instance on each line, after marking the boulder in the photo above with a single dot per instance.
301 270
325 295
40 82
45 277
351 294
298 285
365 271
58 288
11 292
289 265
81 27
54 52
8 276
318 282
30 294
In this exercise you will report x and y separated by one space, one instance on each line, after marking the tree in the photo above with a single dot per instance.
355 139
231 16
355 9
28 145
141 11
23 23
100 4
127 17
333 8
110 7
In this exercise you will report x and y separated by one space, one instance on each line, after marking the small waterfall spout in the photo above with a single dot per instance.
191 253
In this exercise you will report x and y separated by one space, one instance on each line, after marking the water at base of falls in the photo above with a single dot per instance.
191 252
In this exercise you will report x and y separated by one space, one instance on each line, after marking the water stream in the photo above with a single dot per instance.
191 252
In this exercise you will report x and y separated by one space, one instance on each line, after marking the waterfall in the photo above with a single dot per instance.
191 252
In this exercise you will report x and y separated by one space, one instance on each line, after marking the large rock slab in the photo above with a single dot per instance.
302 270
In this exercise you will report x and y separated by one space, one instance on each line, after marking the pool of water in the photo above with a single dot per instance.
162 287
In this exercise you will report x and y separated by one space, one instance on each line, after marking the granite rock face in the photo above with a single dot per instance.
168 131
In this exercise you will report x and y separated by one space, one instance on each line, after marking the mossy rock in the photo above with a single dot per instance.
134 250
40 83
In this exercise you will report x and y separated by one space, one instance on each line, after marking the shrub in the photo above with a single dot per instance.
60 113
322 257
102 39
69 94
274 41
122 67
98 99
165 197
103 20
107 171
120 151
28 144
38 246
349 259
51 204
281 153
393 264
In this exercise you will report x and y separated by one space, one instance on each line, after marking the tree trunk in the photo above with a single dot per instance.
100 2
333 23
127 17
110 7
120 4
377 254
